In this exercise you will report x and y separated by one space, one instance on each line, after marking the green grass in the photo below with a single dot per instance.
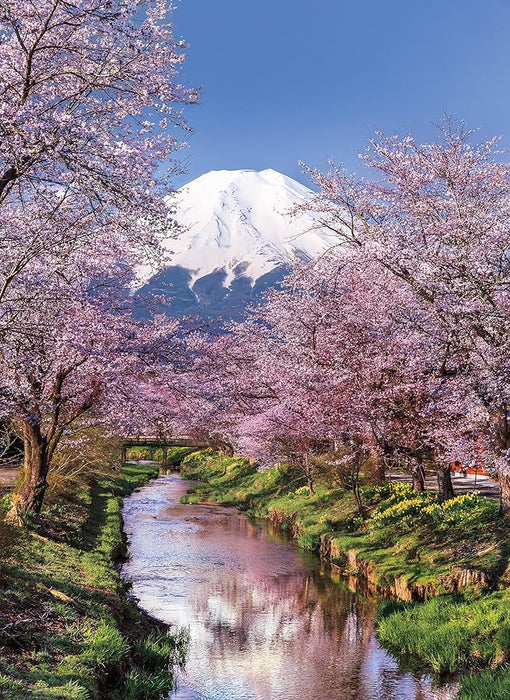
67 629
449 633
174 454
489 685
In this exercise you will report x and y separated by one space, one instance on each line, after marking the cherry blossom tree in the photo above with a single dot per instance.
275 385
394 346
90 112
78 363
435 217
342 362
90 116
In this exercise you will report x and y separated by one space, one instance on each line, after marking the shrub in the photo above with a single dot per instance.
375 493
105 646
352 523
466 508
405 506
144 685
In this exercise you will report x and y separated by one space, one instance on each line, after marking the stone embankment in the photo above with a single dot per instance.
363 574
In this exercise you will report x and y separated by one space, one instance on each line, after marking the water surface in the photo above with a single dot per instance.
266 621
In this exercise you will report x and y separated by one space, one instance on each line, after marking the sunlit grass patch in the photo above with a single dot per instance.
449 633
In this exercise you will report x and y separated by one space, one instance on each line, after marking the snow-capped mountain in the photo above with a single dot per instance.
237 239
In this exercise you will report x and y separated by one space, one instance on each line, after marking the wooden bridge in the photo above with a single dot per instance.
159 441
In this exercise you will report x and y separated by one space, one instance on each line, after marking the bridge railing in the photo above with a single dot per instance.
159 442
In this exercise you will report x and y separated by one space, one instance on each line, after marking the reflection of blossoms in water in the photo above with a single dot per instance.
266 621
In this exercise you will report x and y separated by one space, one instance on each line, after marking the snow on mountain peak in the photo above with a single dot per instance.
238 221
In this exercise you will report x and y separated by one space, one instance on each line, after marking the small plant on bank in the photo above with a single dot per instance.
309 542
162 649
144 685
105 646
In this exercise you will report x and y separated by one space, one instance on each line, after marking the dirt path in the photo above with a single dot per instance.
8 476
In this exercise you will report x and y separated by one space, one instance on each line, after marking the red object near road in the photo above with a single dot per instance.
479 469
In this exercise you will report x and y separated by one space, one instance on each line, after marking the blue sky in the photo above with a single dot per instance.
291 80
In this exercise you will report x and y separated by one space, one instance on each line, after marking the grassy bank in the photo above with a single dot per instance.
67 629
408 545
452 633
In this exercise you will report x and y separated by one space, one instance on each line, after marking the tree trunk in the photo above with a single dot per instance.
444 483
418 476
380 459
357 497
377 472
225 448
308 474
503 438
165 456
504 491
30 495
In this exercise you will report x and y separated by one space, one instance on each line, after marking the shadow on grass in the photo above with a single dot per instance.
101 494
96 520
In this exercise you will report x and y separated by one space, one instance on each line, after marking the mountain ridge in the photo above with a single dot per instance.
238 238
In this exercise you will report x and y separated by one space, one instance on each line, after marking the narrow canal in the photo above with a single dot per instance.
266 621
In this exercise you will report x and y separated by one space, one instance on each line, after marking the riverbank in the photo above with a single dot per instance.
67 629
406 546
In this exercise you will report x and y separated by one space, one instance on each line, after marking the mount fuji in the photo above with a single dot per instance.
238 238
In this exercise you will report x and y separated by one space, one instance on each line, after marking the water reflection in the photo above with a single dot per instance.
267 622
